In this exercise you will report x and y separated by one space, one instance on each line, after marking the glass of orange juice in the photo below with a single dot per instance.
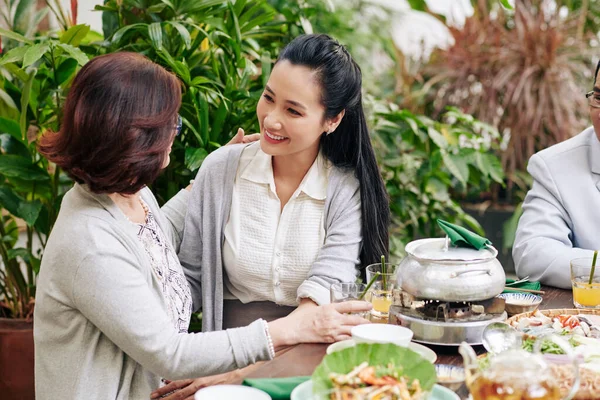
381 292
586 294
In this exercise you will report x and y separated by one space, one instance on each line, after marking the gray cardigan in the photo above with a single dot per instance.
208 211
101 328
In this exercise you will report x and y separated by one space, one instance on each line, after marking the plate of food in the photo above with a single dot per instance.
580 322
581 327
373 371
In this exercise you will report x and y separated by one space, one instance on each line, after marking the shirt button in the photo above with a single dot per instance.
277 269
278 254
277 283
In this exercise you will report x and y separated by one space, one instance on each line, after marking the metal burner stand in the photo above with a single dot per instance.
443 333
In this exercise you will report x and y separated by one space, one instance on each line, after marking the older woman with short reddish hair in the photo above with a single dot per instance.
112 303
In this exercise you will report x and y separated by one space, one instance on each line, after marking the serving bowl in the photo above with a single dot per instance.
517 303
450 376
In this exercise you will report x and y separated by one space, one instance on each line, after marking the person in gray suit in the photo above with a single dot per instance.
561 213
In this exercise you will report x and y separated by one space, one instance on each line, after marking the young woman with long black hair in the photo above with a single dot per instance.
301 209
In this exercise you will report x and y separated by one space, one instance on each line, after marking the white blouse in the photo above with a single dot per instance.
268 252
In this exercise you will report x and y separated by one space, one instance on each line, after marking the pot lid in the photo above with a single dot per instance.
437 250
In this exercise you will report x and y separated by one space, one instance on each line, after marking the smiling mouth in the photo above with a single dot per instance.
274 137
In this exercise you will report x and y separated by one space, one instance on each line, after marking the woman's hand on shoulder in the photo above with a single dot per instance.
318 324
241 138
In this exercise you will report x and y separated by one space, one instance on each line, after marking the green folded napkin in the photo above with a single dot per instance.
523 285
462 237
277 388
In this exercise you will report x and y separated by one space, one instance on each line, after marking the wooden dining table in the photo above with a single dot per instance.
302 359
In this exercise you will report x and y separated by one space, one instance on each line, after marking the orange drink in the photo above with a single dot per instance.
585 294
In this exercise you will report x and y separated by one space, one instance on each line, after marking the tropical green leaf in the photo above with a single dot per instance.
405 361
18 252
16 71
156 8
266 64
194 157
9 200
22 168
506 4
14 36
156 35
14 55
29 211
22 12
121 32
437 138
5 97
457 167
11 145
75 52
66 70
203 116
34 53
75 34
25 94
183 32
11 127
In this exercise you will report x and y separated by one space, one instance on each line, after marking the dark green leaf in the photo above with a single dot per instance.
11 127
22 168
194 157
10 145
218 121
66 70
34 53
18 252
121 32
29 211
183 32
9 200
203 116
75 52
75 34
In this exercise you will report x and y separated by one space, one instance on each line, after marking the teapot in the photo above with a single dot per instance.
517 374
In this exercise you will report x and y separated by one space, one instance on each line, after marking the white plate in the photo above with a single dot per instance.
424 351
304 392
231 392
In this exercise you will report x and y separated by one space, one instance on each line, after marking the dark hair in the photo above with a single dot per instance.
118 124
597 69
349 145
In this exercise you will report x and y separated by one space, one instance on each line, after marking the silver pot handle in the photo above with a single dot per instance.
481 272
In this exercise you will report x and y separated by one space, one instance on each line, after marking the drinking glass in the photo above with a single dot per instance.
341 292
383 290
585 294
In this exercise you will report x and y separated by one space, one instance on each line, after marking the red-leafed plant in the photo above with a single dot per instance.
526 73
